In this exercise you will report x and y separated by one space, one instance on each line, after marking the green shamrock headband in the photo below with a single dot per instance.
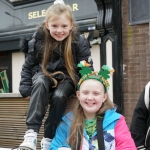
101 76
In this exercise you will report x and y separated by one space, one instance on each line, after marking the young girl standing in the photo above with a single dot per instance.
94 124
49 74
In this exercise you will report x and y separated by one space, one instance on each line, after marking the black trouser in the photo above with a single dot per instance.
42 87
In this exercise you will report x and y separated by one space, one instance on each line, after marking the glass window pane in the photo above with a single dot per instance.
4 72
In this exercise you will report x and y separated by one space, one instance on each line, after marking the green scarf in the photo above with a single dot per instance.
90 127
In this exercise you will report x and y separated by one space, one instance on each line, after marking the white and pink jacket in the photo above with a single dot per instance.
115 130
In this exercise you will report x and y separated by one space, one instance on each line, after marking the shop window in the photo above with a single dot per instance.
136 16
4 72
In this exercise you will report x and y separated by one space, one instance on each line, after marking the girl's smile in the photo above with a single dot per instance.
59 27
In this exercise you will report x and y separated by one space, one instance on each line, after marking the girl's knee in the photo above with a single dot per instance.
42 80
58 97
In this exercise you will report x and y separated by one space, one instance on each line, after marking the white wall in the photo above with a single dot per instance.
18 59
95 52
109 62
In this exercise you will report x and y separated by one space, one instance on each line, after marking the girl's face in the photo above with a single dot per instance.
91 96
59 27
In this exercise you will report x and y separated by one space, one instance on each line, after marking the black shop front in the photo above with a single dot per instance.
100 18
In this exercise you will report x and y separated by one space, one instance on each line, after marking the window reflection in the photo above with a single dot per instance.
15 0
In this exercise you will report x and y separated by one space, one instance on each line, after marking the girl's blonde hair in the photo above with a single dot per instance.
77 126
53 12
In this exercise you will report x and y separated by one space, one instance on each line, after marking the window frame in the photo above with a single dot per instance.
22 2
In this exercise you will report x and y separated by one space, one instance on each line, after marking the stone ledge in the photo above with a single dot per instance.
4 95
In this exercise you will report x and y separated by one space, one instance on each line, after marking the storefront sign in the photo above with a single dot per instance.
41 13
36 13
31 14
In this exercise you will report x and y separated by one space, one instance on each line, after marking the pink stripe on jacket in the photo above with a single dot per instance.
123 137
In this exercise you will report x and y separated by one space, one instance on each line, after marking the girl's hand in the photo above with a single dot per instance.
28 98
64 148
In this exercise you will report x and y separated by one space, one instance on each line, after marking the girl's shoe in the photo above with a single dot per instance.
45 143
30 140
